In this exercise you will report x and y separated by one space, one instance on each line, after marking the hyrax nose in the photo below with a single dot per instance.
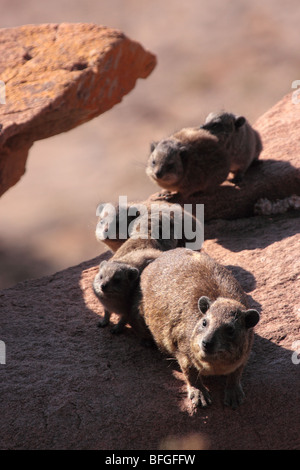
104 286
159 173
208 345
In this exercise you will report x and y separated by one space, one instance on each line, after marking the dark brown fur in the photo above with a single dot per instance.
116 282
198 313
238 137
189 161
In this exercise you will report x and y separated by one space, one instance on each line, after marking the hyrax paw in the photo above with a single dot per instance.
117 329
234 397
199 397
165 195
102 323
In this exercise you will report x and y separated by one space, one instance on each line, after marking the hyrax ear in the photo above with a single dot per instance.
153 145
251 318
133 274
239 122
204 304
102 264
100 208
183 151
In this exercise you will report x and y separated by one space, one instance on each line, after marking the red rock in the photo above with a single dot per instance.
67 384
56 77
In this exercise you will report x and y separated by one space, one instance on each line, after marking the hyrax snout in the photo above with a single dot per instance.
198 313
238 137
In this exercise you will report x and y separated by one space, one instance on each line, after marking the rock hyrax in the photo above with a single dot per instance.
242 142
115 283
198 313
189 161
160 225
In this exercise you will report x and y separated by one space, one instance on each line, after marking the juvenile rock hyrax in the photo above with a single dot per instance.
198 313
115 283
242 142
157 225
189 161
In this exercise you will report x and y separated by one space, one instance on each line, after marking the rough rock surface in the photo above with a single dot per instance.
70 385
56 77
67 384
276 176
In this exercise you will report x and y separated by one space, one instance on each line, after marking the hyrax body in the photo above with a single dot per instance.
242 142
117 224
189 161
198 313
115 285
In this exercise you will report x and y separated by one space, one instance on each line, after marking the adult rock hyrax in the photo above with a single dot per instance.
115 283
189 161
198 313
242 142
151 224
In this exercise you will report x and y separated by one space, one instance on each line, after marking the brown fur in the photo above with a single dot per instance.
211 336
238 137
165 216
116 282
189 161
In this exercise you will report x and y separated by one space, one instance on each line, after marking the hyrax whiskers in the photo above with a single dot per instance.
198 313
189 161
116 282
238 137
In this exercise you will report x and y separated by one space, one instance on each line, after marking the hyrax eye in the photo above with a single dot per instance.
153 163
204 323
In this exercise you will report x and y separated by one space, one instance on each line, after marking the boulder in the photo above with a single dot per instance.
275 176
66 384
56 77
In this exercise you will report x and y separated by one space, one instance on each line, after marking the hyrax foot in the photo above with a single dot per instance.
103 322
199 397
238 178
234 396
166 195
119 327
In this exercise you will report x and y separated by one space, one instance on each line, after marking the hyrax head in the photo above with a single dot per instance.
114 278
222 336
113 222
223 123
166 162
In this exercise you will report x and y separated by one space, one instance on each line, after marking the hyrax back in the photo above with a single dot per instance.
115 284
198 313
189 161
242 142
